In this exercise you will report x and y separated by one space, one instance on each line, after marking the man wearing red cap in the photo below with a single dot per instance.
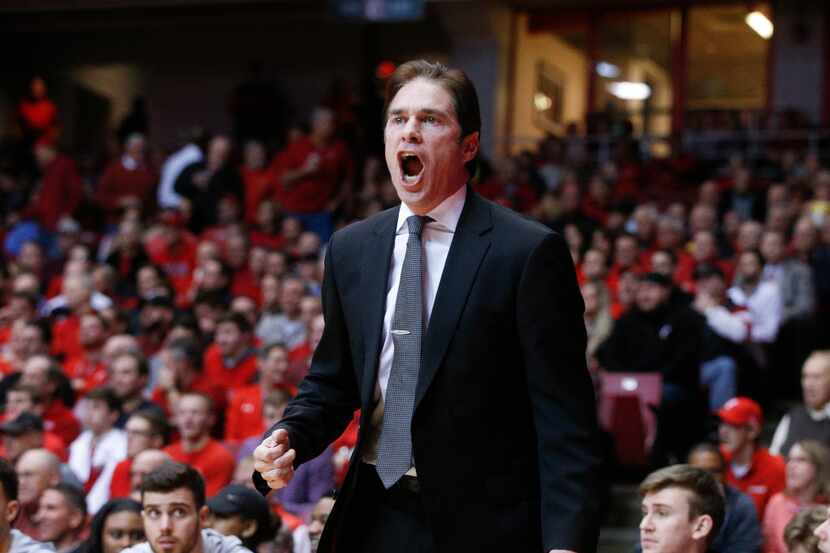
752 468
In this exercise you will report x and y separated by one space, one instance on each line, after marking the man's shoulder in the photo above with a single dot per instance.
143 547
21 543
214 542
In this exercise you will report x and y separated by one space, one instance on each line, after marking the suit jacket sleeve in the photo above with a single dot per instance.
328 396
553 338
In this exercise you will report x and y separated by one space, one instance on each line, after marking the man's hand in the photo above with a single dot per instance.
274 460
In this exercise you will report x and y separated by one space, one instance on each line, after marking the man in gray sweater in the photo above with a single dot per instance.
174 513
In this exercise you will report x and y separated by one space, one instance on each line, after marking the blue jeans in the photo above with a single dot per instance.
720 375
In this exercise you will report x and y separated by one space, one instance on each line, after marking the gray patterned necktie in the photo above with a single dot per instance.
395 444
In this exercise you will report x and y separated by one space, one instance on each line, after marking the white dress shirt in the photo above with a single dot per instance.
436 239
110 449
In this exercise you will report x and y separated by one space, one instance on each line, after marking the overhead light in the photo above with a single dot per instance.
627 90
760 23
608 70
542 101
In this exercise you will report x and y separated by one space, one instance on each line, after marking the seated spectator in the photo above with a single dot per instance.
272 409
155 318
25 432
16 540
722 337
741 530
800 533
752 468
100 447
146 430
657 337
810 421
117 526
231 360
179 487
42 373
129 181
762 300
319 517
683 510
793 277
173 249
598 321
61 517
807 484
244 416
286 324
206 182
194 417
181 373
128 375
143 464
240 511
87 370
60 191
37 469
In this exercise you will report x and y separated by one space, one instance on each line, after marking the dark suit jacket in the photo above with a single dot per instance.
504 428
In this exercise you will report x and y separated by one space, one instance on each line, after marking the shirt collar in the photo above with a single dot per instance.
445 215
821 414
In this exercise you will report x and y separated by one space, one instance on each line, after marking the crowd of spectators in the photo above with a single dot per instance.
167 306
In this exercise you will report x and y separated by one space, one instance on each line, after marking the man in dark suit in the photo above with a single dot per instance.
477 427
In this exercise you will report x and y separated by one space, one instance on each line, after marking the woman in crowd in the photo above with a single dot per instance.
806 486
116 526
799 535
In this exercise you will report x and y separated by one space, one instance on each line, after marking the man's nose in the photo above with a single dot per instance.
165 523
412 130
645 524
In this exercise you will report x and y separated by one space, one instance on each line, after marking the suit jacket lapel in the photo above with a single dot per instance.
469 245
377 257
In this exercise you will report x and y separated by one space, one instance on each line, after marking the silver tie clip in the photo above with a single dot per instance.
400 332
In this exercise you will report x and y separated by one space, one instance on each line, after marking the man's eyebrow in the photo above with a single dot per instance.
427 111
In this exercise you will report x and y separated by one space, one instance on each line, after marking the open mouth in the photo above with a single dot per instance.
411 167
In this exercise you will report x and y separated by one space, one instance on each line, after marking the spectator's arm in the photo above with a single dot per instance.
766 315
780 436
726 324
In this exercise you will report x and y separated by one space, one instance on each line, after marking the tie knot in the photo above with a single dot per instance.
416 223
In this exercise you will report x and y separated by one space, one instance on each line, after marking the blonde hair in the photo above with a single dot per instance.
799 531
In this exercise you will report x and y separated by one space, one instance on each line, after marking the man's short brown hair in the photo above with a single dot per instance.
457 84
706 497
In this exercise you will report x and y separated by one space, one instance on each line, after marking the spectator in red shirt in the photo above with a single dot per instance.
25 432
60 190
314 175
259 178
194 418
231 360
265 228
174 250
77 290
42 373
87 370
129 181
181 373
752 468
626 258
146 430
155 317
38 115
244 414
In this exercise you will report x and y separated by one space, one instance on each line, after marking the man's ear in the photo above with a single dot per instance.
469 146
249 529
204 513
702 526
12 509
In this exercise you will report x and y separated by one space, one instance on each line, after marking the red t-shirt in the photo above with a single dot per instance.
118 183
59 420
311 194
214 462
60 192
243 418
259 186
177 262
236 376
65 338
766 477
93 373
120 485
